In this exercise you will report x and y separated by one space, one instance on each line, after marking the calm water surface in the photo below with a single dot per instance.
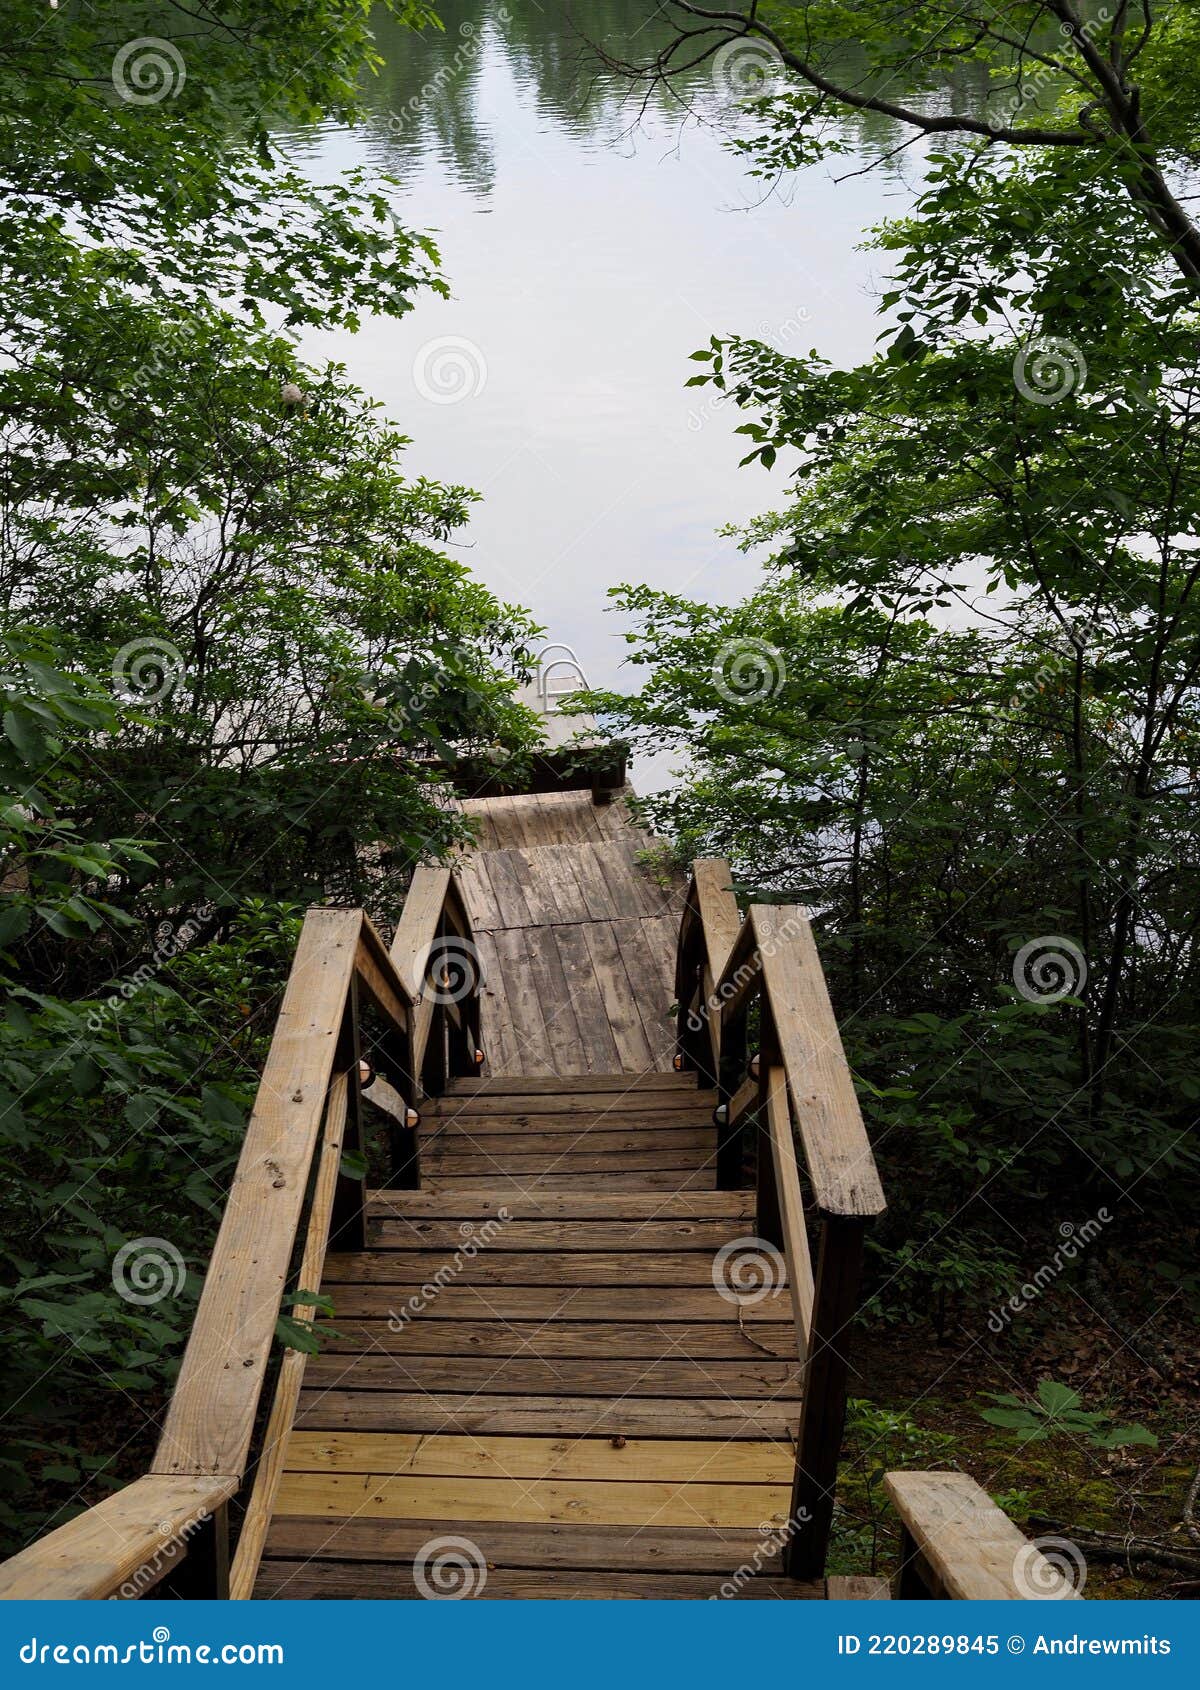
590 249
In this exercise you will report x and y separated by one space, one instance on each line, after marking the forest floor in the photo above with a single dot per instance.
918 1402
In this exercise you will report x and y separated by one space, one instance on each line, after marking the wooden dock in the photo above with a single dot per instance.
589 1329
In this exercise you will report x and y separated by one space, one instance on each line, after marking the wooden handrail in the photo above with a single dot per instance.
307 1113
803 1092
956 1544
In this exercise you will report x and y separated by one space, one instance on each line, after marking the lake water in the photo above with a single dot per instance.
590 247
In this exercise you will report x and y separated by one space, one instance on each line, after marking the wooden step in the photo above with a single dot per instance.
543 1501
479 1412
451 1235
517 1085
514 1546
554 1340
534 1185
527 1376
569 1204
632 1101
296 1581
494 1265
631 1460
358 1299
446 1164
500 1141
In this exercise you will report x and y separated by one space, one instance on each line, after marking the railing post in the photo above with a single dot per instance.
768 1219
823 1411
348 1224
203 1573
730 1134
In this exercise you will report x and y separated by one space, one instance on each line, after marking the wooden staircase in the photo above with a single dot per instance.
589 1328
534 1357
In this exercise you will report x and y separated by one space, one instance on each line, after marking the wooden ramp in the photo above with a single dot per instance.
576 937
581 1342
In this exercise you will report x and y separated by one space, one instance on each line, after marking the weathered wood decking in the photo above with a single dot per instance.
576 937
532 1353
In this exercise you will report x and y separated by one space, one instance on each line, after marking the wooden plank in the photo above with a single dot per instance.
516 1085
643 965
554 994
599 1047
523 1004
570 1205
476 887
306 1580
494 1265
851 1588
835 1303
253 1534
596 898
379 979
452 1141
534 1185
550 1501
700 1235
550 1416
621 1340
128 1540
972 1547
524 1376
508 889
564 1302
634 1051
791 1204
719 917
636 1461
515 1546
837 1152
493 1157
631 1101
211 1415
498 1035
418 925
